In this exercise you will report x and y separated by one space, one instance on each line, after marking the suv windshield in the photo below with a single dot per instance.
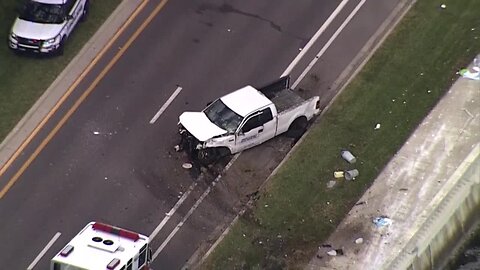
222 116
41 12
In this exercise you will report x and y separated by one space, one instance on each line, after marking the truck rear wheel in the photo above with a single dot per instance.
297 128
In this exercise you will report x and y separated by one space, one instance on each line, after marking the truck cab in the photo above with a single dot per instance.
243 119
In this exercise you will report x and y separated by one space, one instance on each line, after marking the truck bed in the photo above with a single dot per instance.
280 94
285 99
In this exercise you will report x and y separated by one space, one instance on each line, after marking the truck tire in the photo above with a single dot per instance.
297 128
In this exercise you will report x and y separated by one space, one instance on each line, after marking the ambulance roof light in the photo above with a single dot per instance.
117 231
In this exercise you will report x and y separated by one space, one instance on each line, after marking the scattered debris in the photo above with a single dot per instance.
338 174
470 73
359 241
96 133
266 205
177 148
106 178
443 6
382 221
350 175
349 157
332 252
377 126
187 165
331 184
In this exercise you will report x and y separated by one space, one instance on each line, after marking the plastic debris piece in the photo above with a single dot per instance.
338 174
473 73
443 6
177 148
332 252
331 184
349 157
382 221
187 165
96 133
377 126
359 241
350 175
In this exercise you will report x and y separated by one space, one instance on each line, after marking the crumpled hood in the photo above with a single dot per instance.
200 126
41 31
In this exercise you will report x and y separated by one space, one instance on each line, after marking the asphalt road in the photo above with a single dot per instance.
108 163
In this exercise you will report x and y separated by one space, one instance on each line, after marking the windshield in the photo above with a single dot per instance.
41 12
222 116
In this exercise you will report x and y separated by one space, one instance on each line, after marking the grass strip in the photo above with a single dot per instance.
397 88
24 79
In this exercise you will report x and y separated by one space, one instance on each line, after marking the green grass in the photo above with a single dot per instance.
397 88
24 79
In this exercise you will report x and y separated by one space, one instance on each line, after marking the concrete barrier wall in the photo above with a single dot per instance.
457 211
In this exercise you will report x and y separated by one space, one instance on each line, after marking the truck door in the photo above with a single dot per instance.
257 129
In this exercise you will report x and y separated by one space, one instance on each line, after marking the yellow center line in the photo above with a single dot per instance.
64 119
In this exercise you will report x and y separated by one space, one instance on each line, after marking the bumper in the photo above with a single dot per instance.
19 47
188 142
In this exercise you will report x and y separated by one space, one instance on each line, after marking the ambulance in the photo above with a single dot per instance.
99 246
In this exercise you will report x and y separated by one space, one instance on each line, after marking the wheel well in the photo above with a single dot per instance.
297 120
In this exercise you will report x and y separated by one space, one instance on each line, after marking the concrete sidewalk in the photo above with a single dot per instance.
440 155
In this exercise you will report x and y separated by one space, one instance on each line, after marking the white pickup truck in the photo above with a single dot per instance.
245 118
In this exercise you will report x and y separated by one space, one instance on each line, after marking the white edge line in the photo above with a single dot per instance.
194 207
180 224
330 41
172 211
44 250
315 37
167 103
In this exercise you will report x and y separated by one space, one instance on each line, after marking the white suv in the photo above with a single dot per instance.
42 26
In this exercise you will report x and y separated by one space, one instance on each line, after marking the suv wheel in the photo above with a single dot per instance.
85 11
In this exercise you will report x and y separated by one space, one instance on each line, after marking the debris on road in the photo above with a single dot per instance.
187 165
349 157
377 126
177 148
350 175
382 221
359 241
96 133
332 252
